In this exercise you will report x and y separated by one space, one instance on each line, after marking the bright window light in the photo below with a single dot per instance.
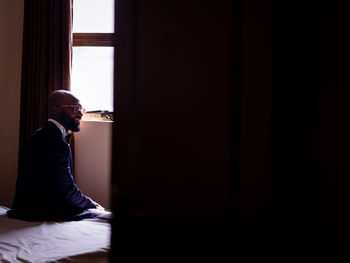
92 62
93 16
92 77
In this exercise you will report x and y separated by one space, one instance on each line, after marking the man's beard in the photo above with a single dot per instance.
68 122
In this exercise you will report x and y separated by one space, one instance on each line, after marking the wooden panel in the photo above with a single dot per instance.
93 39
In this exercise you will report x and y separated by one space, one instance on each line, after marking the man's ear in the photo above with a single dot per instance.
56 110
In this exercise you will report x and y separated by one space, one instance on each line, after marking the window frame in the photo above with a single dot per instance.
95 40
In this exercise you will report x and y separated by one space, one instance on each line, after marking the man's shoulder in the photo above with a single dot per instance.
49 129
47 135
44 143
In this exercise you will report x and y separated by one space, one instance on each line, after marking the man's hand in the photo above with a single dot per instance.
100 212
99 207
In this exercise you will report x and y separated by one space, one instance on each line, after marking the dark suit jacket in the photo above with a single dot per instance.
45 189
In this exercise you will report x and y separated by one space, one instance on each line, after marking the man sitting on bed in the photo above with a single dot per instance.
45 188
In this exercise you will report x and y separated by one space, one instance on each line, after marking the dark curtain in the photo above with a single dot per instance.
46 59
292 170
291 127
232 132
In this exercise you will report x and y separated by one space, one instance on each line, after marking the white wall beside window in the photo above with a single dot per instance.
92 160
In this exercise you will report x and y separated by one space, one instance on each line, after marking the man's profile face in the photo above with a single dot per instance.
65 108
71 119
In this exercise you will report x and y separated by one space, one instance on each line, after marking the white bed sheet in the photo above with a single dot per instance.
78 241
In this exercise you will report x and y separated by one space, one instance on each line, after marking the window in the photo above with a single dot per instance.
93 55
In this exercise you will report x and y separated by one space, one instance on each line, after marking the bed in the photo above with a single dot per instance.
85 241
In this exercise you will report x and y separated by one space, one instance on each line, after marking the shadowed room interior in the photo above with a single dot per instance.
230 138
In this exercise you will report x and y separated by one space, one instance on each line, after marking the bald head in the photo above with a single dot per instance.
60 97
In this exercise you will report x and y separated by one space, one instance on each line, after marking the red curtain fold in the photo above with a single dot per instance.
46 59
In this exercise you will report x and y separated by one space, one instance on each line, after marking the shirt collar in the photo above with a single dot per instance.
59 126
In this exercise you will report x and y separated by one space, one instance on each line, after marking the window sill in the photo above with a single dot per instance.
96 117
95 120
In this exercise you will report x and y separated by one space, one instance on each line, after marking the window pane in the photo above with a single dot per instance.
92 77
93 16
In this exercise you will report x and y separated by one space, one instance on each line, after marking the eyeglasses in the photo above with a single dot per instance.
76 108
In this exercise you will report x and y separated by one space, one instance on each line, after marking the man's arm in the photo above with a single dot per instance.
63 180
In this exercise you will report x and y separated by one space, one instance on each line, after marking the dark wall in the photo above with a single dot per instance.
231 132
173 102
